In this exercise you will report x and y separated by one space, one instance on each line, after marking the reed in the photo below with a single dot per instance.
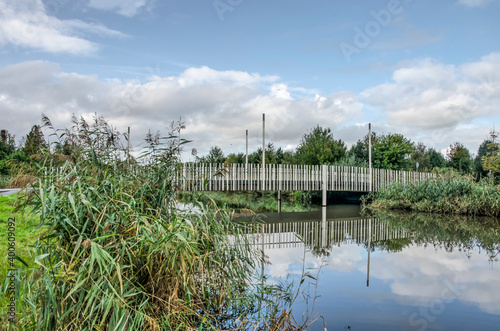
448 194
118 254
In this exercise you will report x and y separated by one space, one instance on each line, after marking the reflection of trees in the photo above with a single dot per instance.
451 233
391 232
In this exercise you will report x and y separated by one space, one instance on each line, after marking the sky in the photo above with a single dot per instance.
427 69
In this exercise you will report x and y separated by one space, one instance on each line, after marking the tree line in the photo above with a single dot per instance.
389 151
317 146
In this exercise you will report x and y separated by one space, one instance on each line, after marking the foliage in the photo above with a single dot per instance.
459 157
358 154
97 141
34 142
215 155
490 160
25 233
436 159
7 143
392 151
249 202
450 194
444 231
117 254
319 147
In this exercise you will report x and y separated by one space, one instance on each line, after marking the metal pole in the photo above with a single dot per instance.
128 144
246 160
263 150
246 155
370 154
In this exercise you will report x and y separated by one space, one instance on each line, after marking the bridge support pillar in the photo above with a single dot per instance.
279 201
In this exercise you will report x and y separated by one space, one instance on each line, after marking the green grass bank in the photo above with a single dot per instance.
446 194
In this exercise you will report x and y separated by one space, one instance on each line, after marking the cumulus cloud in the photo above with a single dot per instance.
27 24
425 100
428 95
217 106
127 8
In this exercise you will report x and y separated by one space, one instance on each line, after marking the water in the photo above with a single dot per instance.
392 272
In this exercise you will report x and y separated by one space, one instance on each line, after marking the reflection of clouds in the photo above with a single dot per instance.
289 260
417 275
425 274
345 258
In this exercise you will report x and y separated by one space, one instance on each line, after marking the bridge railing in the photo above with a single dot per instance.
285 177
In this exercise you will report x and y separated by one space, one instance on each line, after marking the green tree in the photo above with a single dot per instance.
319 147
7 144
436 159
491 160
420 156
35 142
392 151
235 158
215 155
459 157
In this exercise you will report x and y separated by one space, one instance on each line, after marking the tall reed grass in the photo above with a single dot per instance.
117 253
450 194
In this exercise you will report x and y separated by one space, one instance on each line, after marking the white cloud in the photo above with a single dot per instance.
426 101
474 3
127 8
27 24
218 106
429 95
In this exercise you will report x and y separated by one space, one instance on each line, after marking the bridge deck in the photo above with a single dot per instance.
236 177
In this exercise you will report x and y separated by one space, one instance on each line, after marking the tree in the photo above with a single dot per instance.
490 161
35 142
392 151
236 158
215 155
436 159
319 147
421 157
7 143
459 157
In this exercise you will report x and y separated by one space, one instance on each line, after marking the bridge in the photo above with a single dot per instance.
284 177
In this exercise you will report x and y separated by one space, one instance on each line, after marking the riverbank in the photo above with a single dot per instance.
446 194
267 201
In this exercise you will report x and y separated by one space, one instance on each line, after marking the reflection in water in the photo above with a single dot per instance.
427 272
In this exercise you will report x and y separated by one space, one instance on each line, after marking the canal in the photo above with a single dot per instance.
393 271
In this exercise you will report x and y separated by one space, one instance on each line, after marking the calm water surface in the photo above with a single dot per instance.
392 272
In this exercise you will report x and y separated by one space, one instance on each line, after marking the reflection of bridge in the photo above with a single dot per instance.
324 234
282 177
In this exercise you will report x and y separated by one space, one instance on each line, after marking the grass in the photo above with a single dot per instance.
5 181
445 194
25 230
117 254
256 201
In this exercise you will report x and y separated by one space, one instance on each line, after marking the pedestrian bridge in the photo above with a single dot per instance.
284 177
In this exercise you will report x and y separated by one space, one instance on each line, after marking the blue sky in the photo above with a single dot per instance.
427 69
